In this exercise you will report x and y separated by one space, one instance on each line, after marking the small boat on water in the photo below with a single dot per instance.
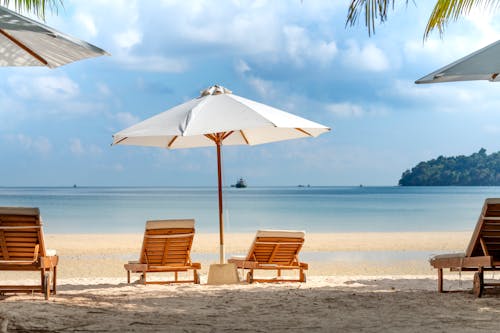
240 183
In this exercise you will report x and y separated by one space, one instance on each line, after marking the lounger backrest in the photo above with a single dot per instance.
279 247
485 240
21 235
167 243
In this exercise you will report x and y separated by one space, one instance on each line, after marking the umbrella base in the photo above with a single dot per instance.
223 274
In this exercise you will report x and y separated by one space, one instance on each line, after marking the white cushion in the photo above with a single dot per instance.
238 257
19 211
169 224
281 233
491 201
449 255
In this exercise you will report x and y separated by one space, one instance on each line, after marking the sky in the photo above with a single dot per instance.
56 125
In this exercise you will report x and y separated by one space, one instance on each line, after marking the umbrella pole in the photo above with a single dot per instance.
221 217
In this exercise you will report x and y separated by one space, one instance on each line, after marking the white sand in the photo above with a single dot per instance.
339 296
331 253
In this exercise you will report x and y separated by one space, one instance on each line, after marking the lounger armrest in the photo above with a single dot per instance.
136 267
303 265
243 263
461 261
48 261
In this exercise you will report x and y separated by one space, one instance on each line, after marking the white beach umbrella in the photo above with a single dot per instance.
483 64
218 118
25 42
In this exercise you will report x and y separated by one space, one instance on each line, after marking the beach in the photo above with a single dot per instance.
393 292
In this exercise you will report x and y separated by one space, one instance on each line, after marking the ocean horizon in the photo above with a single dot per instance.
313 209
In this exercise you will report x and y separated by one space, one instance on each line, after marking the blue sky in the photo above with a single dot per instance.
56 125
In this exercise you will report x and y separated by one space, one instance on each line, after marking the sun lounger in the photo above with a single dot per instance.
274 250
483 252
23 249
166 248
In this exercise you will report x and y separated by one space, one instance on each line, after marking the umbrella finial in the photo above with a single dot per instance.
215 90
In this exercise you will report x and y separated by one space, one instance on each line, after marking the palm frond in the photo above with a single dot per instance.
372 9
446 10
37 7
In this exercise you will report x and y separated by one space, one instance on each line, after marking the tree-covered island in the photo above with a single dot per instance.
478 169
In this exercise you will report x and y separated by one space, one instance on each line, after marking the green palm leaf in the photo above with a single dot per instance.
444 11
37 7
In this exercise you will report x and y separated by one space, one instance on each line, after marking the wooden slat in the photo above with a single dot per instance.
3 245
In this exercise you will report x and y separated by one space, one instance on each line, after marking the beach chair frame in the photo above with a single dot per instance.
274 250
166 247
483 251
22 248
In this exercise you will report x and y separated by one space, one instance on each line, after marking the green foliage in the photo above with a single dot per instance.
443 12
37 7
478 169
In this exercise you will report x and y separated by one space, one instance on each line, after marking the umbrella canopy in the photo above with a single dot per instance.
217 110
218 118
25 42
483 64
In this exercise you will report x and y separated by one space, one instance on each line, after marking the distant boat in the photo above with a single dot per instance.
240 183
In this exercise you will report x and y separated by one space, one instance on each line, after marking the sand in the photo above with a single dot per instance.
392 294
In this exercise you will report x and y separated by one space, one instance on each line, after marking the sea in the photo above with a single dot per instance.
313 209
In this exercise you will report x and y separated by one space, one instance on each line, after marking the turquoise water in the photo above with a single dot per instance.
314 209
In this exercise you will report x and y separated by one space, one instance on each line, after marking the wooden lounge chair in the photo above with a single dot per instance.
483 252
166 248
23 249
274 250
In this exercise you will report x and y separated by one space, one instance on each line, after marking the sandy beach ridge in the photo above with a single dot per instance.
349 294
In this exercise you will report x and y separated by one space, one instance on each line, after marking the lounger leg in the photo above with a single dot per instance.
279 272
54 278
302 276
128 276
42 276
440 280
46 287
478 285
144 277
176 276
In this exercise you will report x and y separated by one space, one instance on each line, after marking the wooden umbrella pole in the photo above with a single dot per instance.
221 217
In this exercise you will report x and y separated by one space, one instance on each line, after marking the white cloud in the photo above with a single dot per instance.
153 63
125 118
301 48
39 144
78 148
263 87
476 96
128 39
87 22
196 29
103 89
345 109
242 67
492 128
369 57
118 167
47 88
437 94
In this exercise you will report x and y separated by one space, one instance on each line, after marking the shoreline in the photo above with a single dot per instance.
239 242
376 253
